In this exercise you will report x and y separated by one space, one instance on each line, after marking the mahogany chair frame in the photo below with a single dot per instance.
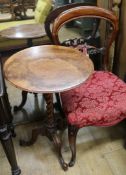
87 11
75 13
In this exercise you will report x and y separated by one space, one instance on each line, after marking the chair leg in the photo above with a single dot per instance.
72 134
5 137
24 99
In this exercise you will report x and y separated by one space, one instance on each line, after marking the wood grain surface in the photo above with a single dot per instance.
47 68
24 31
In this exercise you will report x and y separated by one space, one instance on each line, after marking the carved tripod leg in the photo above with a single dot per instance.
72 134
51 128
24 99
35 133
7 143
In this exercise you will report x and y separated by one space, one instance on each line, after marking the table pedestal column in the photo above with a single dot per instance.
48 129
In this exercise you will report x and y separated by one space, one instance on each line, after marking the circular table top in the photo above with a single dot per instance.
47 69
24 31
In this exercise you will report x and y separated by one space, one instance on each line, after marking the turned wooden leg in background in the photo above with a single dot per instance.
24 99
72 134
5 137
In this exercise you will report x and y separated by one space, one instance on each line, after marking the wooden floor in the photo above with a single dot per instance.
99 150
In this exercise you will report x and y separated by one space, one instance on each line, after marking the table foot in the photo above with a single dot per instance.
35 133
24 99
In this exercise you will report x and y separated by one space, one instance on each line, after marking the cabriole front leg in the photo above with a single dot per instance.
72 134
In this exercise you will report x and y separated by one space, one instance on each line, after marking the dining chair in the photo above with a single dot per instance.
6 129
101 100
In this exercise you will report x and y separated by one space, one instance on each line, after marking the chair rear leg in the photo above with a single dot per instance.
72 134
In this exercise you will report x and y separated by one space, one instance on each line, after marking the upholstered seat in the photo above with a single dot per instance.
101 101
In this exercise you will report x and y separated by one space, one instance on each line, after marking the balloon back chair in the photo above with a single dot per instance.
101 100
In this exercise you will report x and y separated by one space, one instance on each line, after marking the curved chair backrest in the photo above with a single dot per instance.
84 12
56 12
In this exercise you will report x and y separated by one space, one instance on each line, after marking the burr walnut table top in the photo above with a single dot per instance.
47 69
24 31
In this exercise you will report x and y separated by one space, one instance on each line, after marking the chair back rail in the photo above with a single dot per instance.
92 12
57 11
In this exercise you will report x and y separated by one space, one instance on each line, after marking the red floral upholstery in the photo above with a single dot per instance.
100 101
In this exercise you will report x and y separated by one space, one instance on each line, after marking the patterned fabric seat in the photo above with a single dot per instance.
100 101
